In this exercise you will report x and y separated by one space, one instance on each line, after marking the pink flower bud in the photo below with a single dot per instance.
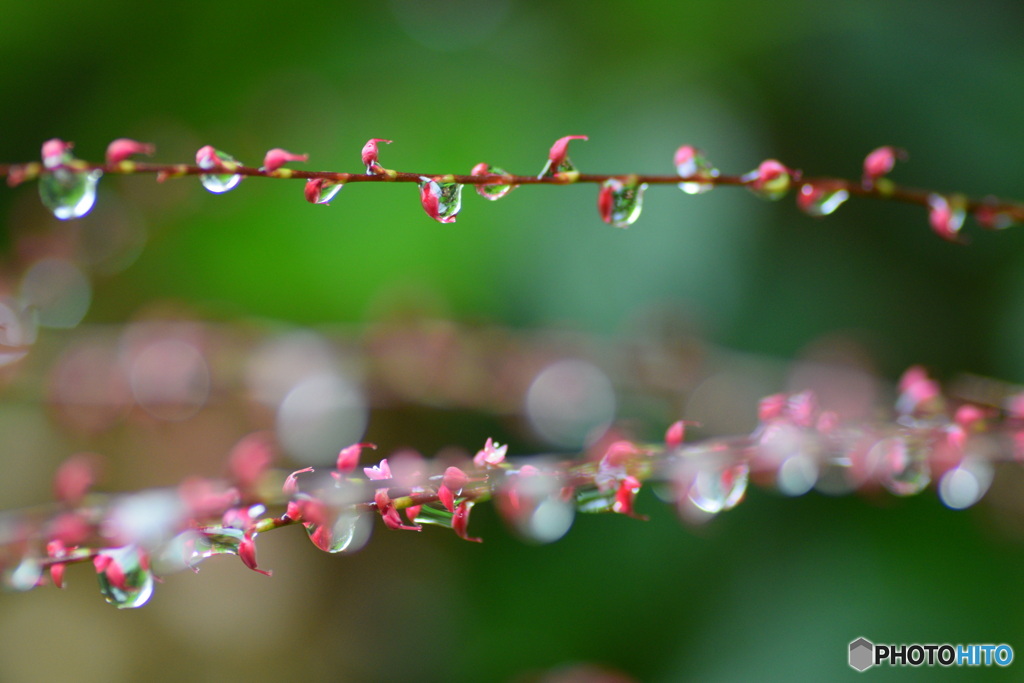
447 498
370 156
247 553
388 512
291 482
491 455
250 459
559 150
378 472
676 433
625 495
122 148
207 157
460 522
880 162
277 157
348 458
56 152
412 512
455 479
294 511
75 477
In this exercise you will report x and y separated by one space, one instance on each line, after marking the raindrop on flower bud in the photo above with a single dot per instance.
66 192
342 531
441 200
321 190
816 200
124 575
210 159
946 215
770 180
691 163
491 192
620 202
716 489
532 504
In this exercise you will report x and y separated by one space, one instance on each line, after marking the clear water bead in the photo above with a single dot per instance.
690 162
491 192
817 200
620 202
442 201
716 489
124 576
67 193
217 183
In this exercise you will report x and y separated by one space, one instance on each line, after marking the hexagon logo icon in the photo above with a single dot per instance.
862 654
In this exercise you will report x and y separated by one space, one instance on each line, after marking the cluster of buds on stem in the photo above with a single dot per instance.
796 448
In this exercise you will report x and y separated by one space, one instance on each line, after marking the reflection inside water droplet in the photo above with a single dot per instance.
124 576
69 194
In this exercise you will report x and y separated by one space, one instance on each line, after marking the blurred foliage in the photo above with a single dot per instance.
774 590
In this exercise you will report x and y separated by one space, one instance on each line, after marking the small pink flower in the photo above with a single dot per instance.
370 152
625 496
55 549
70 528
802 408
412 512
378 472
388 512
880 162
491 455
291 482
460 521
447 497
277 157
675 434
559 151
294 511
348 458
247 553
122 148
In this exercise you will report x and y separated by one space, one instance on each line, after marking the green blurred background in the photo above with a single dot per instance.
774 590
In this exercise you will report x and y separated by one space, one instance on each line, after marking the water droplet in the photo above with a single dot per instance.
691 163
716 489
620 202
963 486
344 531
441 201
321 190
26 575
124 576
903 465
491 192
533 506
592 500
817 200
797 475
770 180
66 193
215 159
